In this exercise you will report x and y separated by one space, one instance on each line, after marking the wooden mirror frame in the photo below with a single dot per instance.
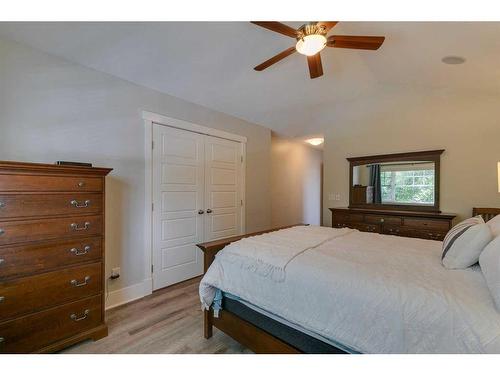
431 156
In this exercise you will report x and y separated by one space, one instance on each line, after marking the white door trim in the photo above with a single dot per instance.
181 124
151 118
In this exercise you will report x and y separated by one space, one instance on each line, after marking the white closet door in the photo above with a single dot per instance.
178 195
223 167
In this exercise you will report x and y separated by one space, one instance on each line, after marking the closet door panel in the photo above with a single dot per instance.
223 188
178 195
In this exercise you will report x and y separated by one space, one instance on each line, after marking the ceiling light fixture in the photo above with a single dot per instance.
311 39
315 141
453 60
311 44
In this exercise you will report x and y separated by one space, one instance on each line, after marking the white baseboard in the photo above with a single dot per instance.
128 294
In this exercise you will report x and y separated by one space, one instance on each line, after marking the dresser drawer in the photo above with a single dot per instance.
33 293
347 218
20 182
427 224
34 230
33 332
26 205
365 227
415 233
21 260
381 219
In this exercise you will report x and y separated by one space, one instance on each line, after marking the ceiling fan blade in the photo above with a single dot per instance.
315 66
275 59
277 27
327 25
356 42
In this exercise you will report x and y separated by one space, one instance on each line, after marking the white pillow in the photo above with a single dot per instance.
494 225
464 242
490 265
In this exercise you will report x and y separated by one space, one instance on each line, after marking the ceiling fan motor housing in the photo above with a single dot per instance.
310 29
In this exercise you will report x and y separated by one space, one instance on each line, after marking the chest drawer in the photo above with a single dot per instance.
27 259
26 205
21 182
32 293
33 332
427 224
35 230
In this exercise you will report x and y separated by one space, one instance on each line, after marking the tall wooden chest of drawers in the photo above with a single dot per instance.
51 256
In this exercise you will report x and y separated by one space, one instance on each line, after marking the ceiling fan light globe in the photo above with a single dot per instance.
310 45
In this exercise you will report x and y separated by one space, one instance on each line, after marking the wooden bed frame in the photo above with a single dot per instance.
252 337
486 213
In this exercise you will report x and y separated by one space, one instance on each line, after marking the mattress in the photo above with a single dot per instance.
373 293
292 334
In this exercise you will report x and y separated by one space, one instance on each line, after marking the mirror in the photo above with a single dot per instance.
408 181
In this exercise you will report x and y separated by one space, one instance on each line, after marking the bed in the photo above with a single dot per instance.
352 292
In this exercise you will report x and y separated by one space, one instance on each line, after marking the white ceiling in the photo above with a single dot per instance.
212 63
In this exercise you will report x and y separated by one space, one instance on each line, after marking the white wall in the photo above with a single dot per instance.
51 109
295 183
398 119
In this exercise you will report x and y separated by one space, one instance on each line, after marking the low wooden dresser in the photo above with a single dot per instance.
419 224
51 256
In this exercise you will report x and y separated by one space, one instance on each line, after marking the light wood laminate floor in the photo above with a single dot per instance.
168 321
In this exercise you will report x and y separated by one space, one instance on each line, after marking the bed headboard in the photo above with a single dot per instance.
486 213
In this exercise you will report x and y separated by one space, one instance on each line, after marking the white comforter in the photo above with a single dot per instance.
374 294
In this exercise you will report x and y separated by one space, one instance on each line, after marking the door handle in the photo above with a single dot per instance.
209 211
201 212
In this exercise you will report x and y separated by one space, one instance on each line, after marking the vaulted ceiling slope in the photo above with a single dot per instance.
212 63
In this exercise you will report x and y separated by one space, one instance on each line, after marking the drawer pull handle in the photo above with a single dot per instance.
1 261
77 204
81 184
1 231
75 251
83 283
75 226
2 205
2 340
77 318
2 298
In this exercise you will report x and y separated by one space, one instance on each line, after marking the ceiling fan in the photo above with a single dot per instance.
311 39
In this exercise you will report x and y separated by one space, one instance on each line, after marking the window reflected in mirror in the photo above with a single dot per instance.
395 183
